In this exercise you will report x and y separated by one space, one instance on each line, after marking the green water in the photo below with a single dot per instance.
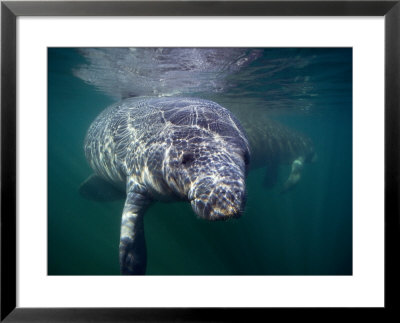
307 231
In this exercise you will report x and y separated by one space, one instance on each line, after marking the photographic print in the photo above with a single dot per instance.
200 161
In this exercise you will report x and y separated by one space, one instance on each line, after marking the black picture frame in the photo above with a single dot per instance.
10 10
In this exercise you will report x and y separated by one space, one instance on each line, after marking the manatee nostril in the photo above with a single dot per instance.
220 204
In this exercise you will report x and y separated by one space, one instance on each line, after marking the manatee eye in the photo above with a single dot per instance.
187 159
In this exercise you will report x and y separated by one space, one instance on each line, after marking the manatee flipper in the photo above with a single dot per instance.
295 174
132 245
98 189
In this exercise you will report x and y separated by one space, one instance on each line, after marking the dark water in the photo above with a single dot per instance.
306 231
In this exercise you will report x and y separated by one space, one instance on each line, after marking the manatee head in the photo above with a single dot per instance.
207 164
218 192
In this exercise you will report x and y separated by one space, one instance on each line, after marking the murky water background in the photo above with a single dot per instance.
306 231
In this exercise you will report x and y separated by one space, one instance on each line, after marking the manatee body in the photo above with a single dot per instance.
166 149
274 144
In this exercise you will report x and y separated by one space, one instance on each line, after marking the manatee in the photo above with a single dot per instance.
166 149
274 144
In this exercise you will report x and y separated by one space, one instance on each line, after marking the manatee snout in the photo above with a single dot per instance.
214 199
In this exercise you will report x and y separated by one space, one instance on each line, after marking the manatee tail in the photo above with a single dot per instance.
132 246
295 174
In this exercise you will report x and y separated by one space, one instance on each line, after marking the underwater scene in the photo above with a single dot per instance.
200 161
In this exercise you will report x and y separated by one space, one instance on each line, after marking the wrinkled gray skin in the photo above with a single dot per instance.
168 149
